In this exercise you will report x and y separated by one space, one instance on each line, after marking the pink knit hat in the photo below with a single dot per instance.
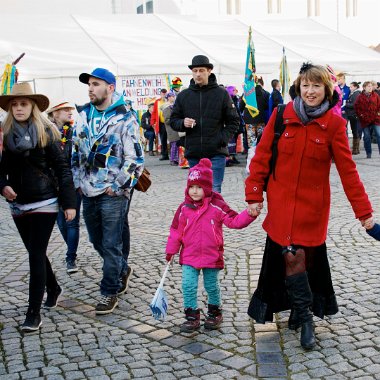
201 175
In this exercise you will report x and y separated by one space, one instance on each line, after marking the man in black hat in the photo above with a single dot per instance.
207 114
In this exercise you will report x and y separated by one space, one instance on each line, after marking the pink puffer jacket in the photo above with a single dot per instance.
197 231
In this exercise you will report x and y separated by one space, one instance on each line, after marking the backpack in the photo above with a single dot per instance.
279 128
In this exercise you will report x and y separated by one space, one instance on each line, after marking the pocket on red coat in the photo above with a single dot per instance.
318 149
287 142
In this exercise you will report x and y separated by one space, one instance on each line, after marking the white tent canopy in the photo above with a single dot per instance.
59 47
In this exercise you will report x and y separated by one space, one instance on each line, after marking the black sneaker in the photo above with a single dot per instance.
71 267
32 322
124 281
106 305
52 297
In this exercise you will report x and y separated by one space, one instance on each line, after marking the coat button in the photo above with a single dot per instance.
286 134
317 140
255 188
288 237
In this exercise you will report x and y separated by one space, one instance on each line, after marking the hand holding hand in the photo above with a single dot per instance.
254 209
9 193
368 223
70 214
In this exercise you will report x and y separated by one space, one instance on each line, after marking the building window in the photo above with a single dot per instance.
145 7
233 7
270 6
351 8
317 8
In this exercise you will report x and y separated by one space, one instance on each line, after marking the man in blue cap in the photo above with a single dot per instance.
107 161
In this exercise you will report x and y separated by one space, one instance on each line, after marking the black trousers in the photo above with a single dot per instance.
35 230
164 140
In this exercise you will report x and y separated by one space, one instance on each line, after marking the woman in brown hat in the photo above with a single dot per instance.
34 178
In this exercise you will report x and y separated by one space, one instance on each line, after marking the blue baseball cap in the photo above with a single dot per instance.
99 73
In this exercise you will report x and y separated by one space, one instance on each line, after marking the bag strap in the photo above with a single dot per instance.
279 128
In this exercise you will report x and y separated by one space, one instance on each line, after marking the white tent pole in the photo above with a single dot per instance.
94 41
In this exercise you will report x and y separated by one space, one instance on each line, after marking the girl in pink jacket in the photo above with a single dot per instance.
197 234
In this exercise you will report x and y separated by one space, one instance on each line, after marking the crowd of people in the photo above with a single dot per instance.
50 168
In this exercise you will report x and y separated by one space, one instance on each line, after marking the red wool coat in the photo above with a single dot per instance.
299 198
368 109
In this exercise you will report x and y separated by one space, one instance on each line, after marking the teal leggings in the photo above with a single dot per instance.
190 277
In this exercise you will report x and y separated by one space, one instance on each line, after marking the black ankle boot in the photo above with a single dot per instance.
32 321
301 300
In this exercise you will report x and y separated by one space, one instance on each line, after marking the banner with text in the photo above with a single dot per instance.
141 89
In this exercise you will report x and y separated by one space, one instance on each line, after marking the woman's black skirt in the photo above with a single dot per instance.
271 295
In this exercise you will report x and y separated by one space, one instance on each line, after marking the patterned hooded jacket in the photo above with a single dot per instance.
107 153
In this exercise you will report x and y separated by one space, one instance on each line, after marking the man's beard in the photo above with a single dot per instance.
98 101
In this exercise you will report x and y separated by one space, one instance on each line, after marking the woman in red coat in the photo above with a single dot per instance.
367 108
295 272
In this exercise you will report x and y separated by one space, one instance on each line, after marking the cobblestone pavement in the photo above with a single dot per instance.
74 343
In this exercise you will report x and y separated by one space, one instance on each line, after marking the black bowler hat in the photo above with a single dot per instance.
201 61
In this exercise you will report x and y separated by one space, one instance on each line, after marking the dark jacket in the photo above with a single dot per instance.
34 175
262 99
215 115
67 145
274 100
349 109
145 121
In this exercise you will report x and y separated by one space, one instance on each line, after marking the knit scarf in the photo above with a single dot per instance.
22 138
308 113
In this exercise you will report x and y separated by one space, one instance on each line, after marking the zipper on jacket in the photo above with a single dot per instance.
213 230
201 121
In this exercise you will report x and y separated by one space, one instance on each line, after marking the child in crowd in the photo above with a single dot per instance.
373 229
196 232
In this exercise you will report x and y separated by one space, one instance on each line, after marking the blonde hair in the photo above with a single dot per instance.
318 74
46 130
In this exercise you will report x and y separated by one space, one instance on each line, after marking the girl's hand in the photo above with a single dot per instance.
9 193
254 209
70 214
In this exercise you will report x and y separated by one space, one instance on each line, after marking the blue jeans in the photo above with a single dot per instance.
367 132
190 277
70 230
104 217
150 135
218 167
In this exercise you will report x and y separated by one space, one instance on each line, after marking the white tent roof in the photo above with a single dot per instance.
62 46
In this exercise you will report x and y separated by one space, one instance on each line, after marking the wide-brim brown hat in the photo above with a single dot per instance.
24 90
200 61
59 106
